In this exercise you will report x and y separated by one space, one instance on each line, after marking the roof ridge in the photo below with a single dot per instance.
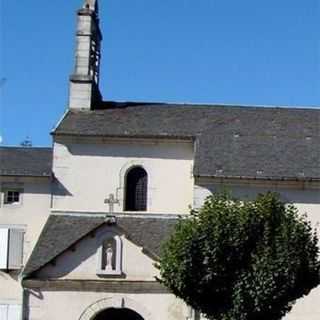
122 104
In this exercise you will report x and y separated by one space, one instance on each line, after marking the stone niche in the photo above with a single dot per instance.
110 256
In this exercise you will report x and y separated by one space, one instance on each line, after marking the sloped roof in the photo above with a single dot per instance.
148 233
62 231
248 142
25 161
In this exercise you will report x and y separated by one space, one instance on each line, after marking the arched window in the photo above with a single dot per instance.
136 190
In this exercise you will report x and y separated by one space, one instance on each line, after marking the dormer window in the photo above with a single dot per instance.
136 187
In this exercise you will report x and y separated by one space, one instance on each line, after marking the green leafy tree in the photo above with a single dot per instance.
235 260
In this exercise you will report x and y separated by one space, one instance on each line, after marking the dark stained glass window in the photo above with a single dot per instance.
136 190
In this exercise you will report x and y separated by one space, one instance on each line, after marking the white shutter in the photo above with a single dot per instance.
14 312
15 249
3 311
4 237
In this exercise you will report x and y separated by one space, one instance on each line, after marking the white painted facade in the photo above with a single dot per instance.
168 165
305 196
30 214
52 305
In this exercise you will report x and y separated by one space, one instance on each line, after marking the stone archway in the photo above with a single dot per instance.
116 303
116 314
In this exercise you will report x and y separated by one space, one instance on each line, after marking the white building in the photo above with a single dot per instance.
113 185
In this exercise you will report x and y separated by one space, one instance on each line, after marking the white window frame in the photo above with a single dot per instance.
5 191
118 258
14 193
4 248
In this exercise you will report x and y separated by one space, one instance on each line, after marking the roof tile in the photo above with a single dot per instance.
25 161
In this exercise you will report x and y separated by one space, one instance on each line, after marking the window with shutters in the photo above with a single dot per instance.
11 248
10 312
136 188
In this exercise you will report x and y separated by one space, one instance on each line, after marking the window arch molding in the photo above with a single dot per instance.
115 302
122 181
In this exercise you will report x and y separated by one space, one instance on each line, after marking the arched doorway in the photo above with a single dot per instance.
117 314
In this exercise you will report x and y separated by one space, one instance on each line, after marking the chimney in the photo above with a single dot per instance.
84 82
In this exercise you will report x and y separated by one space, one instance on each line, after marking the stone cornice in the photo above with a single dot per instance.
96 286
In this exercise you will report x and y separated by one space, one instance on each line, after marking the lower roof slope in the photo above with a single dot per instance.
25 161
62 231
249 142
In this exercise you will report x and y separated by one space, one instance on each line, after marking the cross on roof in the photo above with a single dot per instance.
111 201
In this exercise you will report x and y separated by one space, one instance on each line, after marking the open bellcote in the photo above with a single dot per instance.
84 90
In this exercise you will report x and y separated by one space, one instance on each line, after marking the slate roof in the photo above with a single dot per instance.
62 231
247 142
148 233
25 161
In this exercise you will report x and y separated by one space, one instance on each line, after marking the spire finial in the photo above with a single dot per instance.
91 4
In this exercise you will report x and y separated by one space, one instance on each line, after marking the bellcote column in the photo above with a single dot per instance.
84 82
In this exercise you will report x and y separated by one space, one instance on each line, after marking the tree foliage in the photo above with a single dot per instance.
235 260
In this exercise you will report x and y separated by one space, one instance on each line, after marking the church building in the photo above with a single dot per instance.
82 223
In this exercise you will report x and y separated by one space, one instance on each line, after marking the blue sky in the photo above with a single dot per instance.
245 52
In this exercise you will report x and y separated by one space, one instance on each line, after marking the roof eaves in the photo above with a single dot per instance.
262 178
32 271
131 136
59 121
19 174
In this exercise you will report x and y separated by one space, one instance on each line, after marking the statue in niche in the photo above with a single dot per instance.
109 257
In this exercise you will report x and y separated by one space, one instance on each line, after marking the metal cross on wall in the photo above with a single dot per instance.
111 201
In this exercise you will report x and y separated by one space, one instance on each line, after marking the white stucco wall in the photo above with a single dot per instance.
30 214
87 173
53 305
306 197
33 210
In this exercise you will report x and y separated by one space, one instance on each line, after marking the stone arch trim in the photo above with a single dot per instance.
118 303
131 164
122 175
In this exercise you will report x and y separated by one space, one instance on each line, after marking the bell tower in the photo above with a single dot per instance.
84 90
